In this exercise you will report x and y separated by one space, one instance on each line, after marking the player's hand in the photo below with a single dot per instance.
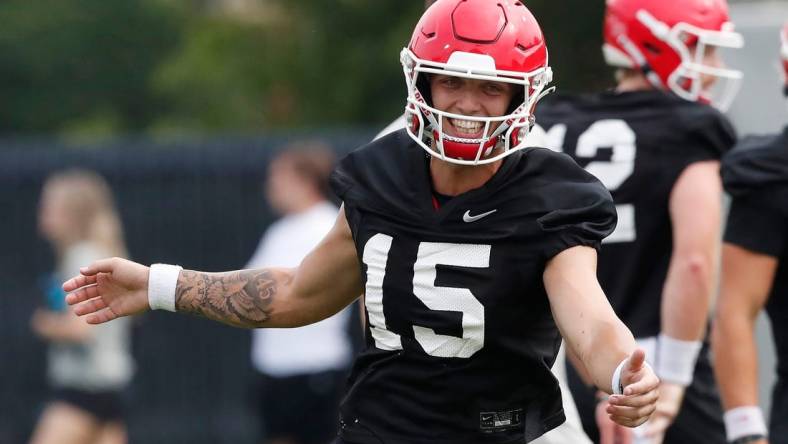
108 289
670 398
640 396
609 431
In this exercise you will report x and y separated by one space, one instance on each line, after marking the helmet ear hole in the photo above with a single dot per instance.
652 49
423 85
517 100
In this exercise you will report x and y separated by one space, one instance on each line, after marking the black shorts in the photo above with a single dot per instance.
304 408
105 406
700 418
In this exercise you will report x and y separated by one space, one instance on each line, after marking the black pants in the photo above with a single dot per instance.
700 418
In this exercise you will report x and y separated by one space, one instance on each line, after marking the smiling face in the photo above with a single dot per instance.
469 97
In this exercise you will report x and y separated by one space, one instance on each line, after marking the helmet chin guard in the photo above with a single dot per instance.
480 40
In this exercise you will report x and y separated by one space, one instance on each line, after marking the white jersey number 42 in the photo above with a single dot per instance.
610 133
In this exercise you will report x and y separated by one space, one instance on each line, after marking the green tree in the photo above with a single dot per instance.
68 63
322 63
173 66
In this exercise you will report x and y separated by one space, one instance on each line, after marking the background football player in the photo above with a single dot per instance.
471 257
655 143
754 275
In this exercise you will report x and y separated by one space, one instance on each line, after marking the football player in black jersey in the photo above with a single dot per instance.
655 142
471 258
754 276
571 431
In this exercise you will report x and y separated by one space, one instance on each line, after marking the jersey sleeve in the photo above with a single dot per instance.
579 209
710 134
755 226
347 184
342 179
758 163
755 174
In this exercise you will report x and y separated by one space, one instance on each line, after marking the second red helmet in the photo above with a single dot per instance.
670 41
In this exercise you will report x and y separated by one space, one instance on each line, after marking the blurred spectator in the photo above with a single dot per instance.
88 366
301 370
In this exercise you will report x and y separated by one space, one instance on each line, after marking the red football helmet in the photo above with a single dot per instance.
784 54
667 41
496 40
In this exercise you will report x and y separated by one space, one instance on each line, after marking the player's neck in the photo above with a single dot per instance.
451 180
635 82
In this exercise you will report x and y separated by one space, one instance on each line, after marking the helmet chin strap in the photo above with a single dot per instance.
491 145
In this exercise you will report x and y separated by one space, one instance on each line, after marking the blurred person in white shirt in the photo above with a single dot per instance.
301 370
88 366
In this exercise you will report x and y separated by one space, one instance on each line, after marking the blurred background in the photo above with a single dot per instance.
180 105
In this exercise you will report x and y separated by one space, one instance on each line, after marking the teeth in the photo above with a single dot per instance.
467 126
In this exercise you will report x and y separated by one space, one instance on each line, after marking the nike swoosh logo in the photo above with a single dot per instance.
468 218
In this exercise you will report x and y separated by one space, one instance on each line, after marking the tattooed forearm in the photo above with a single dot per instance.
241 298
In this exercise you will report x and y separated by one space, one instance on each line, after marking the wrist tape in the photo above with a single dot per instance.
744 421
618 389
675 359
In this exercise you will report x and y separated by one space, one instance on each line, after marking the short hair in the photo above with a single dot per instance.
311 160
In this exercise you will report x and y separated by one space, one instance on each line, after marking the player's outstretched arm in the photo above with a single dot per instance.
327 280
601 341
746 281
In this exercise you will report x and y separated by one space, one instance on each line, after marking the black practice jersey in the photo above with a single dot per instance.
756 176
637 144
460 337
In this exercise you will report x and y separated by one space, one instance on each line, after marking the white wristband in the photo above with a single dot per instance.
618 389
162 281
675 359
744 421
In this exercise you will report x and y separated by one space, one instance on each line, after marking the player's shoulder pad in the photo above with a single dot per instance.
706 127
376 175
758 164
374 158
568 196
